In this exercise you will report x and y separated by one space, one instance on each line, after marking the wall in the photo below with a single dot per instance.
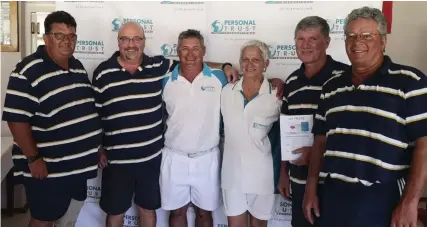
8 62
405 44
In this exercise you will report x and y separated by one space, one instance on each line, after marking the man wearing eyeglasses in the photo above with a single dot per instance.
128 94
51 113
370 135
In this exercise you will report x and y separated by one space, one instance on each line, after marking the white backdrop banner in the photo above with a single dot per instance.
225 27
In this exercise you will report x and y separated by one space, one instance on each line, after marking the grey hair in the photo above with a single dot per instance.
256 43
191 33
368 13
313 22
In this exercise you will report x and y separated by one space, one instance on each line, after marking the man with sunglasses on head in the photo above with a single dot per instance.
51 113
128 94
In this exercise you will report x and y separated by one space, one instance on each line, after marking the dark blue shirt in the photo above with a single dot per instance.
131 108
301 97
370 127
60 107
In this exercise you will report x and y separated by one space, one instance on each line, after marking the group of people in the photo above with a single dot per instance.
154 126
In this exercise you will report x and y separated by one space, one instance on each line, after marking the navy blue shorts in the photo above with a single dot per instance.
121 182
49 199
355 205
298 218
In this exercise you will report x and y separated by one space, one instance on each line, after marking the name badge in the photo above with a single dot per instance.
259 126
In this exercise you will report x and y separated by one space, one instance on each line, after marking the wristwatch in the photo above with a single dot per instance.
31 159
225 64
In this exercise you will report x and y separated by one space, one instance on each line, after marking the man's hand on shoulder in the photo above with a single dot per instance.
231 73
280 85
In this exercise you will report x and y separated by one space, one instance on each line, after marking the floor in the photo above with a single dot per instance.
18 220
21 220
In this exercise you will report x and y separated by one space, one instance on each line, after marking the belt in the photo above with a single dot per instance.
191 155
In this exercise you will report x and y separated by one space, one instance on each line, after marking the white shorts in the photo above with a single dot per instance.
184 179
259 206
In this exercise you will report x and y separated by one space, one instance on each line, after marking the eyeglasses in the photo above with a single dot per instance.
363 36
135 39
61 36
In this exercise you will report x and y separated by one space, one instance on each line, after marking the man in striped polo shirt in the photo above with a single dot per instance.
128 94
370 135
51 113
301 97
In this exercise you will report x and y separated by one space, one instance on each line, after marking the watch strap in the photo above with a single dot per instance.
31 159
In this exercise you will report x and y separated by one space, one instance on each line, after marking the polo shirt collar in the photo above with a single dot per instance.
115 63
206 71
264 89
380 72
383 69
42 53
324 72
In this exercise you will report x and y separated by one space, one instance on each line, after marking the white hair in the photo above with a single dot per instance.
368 13
256 43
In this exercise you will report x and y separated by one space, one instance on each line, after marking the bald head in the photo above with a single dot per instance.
131 29
131 40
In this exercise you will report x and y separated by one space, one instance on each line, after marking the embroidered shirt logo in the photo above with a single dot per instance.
208 88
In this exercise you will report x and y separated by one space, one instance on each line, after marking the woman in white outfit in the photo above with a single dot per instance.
251 159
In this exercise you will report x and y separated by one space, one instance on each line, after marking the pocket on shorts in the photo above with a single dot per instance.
174 168
207 166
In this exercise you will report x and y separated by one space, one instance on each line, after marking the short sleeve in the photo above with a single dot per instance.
20 102
284 108
221 76
319 126
97 90
166 65
416 109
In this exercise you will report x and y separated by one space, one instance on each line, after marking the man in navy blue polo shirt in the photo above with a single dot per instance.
50 110
301 97
128 94
370 135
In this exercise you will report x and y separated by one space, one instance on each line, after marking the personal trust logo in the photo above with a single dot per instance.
233 27
147 24
291 5
336 25
131 220
169 50
93 194
181 3
90 49
282 51
283 212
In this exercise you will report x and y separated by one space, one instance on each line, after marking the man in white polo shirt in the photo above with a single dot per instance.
190 161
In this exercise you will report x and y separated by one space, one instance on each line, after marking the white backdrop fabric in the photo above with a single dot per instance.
225 27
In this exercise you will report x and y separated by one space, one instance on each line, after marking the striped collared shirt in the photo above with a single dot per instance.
131 108
302 96
60 107
370 127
